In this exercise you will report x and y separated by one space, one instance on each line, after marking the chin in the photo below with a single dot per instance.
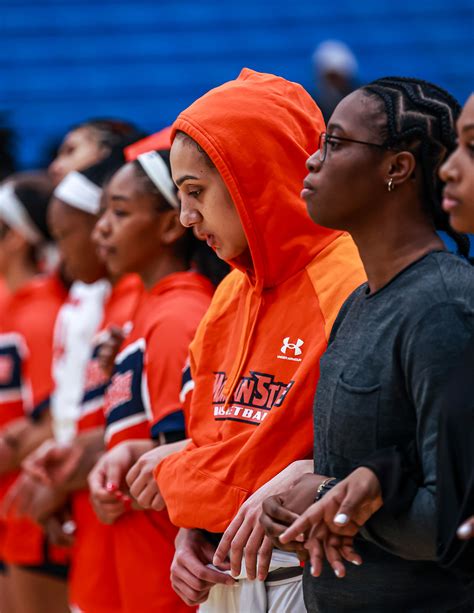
325 221
462 223
317 214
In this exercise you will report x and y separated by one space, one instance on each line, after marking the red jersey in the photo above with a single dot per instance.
94 545
142 400
26 344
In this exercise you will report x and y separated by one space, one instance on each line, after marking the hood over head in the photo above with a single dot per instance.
259 130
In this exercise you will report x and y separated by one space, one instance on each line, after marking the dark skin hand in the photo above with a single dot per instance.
280 511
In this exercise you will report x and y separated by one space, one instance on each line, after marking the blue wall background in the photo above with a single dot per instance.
65 60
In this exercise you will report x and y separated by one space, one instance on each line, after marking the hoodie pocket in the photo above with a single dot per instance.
352 427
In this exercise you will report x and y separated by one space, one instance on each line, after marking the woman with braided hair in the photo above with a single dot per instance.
388 356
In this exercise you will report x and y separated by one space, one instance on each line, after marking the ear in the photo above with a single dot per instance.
171 229
401 168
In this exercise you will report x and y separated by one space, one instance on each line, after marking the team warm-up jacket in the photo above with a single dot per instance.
254 360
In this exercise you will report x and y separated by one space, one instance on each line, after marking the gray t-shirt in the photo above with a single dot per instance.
388 358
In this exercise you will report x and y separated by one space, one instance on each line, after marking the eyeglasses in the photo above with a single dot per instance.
326 138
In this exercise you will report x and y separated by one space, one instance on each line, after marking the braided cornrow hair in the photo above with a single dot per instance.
421 118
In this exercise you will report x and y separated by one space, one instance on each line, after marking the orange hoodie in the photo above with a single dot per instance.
254 359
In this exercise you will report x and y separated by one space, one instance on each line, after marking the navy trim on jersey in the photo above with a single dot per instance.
174 422
93 394
125 404
40 409
10 364
186 375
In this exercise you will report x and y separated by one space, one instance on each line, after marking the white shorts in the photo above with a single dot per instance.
271 596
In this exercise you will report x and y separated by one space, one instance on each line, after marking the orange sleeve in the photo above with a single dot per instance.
167 347
37 365
167 350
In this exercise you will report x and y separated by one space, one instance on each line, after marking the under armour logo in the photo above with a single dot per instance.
293 346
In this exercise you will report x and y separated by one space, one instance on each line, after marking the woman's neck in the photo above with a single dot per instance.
19 273
166 265
385 251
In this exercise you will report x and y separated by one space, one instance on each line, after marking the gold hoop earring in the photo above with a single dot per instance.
390 185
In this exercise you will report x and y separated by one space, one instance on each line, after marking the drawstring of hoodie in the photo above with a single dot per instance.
244 344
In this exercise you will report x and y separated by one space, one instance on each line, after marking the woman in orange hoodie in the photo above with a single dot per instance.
238 159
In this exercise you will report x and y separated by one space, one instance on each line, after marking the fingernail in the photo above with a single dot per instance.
356 562
341 518
464 530
69 527
110 487
337 572
312 570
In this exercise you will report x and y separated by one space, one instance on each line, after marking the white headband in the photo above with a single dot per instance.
77 191
155 167
14 214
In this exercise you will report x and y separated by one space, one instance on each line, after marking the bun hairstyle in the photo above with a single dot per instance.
421 118
112 132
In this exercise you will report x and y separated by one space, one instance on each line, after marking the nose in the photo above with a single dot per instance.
189 216
56 171
448 171
313 163
101 228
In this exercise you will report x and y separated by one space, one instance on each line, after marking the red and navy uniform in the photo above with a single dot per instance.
97 591
142 400
26 346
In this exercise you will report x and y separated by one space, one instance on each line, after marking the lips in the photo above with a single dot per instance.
449 201
206 237
210 240
104 251
307 190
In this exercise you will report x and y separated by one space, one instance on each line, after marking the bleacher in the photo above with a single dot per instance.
65 60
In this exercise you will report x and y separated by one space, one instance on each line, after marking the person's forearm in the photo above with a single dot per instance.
289 475
94 448
23 436
92 443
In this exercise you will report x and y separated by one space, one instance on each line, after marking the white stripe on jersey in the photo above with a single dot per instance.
123 424
187 387
129 349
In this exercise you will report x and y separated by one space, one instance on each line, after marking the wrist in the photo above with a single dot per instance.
325 486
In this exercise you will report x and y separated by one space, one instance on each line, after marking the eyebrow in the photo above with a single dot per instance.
119 197
335 126
185 178
468 127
